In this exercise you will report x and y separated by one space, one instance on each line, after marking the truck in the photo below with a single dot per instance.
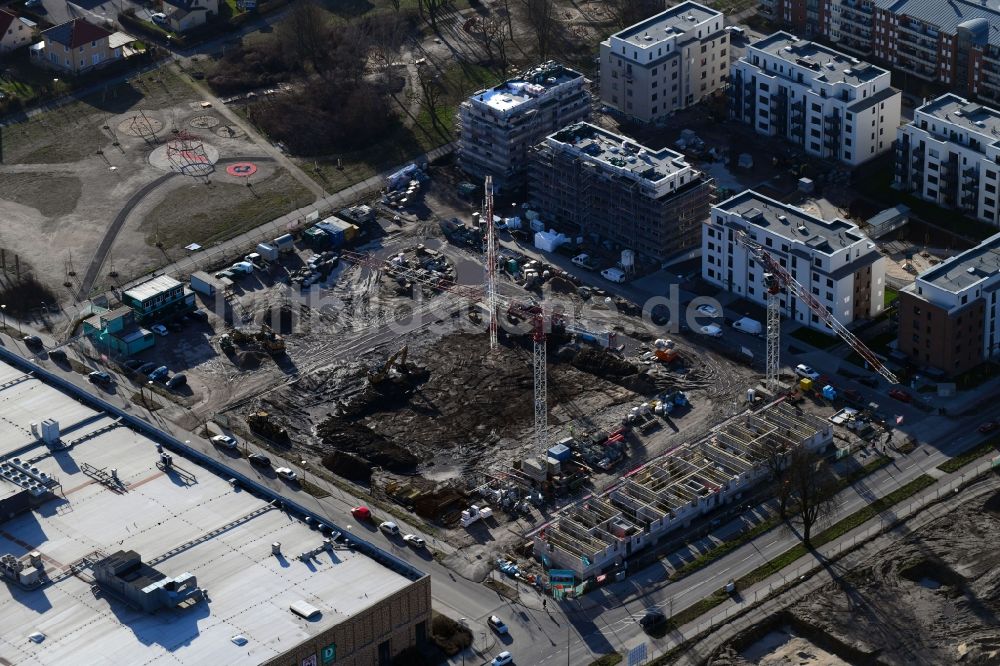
267 251
585 261
284 244
475 513
748 325
613 275
203 283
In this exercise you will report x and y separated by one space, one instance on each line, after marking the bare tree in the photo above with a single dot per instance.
432 7
431 92
630 12
303 35
812 488
385 38
541 14
776 458
495 37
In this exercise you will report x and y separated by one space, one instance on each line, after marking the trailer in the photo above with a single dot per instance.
267 251
205 284
284 243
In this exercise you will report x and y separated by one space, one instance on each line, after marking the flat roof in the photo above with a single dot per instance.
966 269
947 16
618 151
829 65
153 287
827 236
531 84
960 112
192 521
675 21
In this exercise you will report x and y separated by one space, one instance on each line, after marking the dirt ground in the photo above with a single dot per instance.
931 599
62 176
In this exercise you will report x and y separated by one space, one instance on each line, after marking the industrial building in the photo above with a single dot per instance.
498 126
116 331
589 182
954 43
950 155
160 298
832 258
666 63
114 551
830 104
948 316
668 493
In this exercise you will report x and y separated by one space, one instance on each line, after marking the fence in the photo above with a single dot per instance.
890 518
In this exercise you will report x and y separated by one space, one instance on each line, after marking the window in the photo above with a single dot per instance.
816 107
814 146
815 132
829 282
847 156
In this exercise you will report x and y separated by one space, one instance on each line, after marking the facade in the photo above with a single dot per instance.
15 31
955 44
75 47
183 15
666 63
162 297
950 155
833 259
116 331
948 316
830 104
498 126
666 495
586 181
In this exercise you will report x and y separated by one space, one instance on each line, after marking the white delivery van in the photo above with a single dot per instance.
613 274
748 325
712 329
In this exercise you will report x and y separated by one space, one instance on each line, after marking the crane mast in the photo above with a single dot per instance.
780 278
490 273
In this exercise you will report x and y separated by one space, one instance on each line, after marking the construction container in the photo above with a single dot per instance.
316 237
554 466
267 252
203 283
805 384
284 243
560 452
535 469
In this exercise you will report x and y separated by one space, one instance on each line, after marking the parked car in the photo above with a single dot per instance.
803 370
224 441
505 658
287 474
614 275
30 4
102 378
361 513
389 527
414 540
651 620
177 381
199 315
259 459
707 310
989 426
160 373
497 625
585 261
147 368
159 329
712 330
853 396
900 394
32 342
244 267
58 355
158 17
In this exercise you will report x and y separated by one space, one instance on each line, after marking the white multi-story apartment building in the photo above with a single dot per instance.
832 258
830 104
665 63
948 316
497 126
950 154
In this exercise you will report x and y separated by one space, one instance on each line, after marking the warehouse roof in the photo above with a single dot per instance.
947 16
795 224
151 288
181 519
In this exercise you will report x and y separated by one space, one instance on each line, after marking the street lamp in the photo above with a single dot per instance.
3 313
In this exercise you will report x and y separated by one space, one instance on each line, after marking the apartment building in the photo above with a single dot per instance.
666 63
498 126
75 47
948 316
830 104
949 43
587 181
950 155
832 258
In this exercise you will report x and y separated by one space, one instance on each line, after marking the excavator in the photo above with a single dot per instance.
379 374
266 339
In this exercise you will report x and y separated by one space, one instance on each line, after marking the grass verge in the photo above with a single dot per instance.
607 659
970 456
814 338
831 533
501 588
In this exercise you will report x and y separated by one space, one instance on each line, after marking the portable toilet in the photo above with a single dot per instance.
805 384
829 392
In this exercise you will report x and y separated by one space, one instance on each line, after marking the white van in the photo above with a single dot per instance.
712 330
613 274
748 325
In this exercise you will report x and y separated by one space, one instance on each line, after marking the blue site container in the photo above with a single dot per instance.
560 452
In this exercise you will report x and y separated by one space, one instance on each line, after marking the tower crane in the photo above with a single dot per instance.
490 275
777 278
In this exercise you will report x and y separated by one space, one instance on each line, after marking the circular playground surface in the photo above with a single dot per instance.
142 125
229 132
195 161
241 169
204 122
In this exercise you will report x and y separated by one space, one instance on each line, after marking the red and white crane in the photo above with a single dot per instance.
777 278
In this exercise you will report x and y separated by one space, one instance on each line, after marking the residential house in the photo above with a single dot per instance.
183 15
15 31
116 331
75 46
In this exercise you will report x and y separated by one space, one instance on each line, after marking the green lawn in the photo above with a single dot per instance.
815 338
890 296
970 456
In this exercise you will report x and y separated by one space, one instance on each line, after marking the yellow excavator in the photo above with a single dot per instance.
378 375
